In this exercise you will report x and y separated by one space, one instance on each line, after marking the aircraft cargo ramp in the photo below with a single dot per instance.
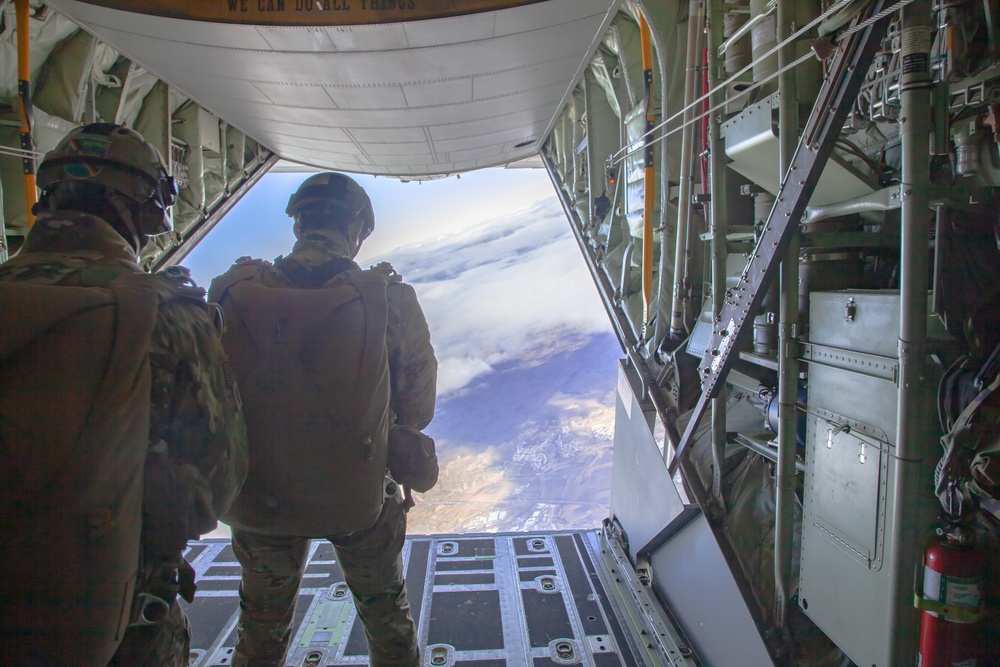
478 600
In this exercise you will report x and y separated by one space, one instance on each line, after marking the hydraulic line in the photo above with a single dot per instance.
664 280
678 327
22 8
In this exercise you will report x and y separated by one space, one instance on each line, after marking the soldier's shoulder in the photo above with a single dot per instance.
243 268
252 261
399 293
186 332
182 285
386 269
186 322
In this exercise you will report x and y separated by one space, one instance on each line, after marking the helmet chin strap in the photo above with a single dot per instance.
125 215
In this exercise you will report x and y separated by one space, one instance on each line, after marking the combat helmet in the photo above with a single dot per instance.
336 192
120 160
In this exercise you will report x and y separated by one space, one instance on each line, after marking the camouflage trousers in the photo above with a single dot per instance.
372 563
165 644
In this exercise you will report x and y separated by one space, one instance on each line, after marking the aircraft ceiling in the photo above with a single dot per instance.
410 98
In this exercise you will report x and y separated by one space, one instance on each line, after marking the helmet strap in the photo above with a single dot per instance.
125 215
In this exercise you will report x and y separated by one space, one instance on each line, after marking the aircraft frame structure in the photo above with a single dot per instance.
790 212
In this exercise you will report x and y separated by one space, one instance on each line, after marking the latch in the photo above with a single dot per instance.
842 428
850 310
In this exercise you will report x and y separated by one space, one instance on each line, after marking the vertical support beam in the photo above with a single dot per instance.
717 221
788 361
916 439
850 65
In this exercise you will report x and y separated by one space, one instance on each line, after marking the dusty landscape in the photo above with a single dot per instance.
529 448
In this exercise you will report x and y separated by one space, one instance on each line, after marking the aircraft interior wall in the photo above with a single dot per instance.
790 211
77 78
814 301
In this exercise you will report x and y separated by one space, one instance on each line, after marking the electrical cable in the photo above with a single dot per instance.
20 152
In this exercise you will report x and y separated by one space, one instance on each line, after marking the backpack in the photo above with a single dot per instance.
74 431
313 371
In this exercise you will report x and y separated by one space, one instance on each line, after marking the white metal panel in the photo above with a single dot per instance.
529 77
342 39
454 91
482 82
367 98
345 146
693 578
194 32
507 137
451 30
531 17
388 135
307 96
474 129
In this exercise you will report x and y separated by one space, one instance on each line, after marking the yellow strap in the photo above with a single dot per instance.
946 611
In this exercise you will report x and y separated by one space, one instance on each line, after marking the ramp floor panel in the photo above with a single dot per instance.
478 601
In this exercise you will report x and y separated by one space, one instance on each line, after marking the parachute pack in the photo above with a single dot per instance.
74 431
313 371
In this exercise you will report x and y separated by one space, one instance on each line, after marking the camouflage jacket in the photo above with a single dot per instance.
314 259
195 420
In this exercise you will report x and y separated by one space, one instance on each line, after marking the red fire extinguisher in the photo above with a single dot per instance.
950 631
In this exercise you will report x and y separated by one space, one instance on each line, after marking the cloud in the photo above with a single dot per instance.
510 289
454 373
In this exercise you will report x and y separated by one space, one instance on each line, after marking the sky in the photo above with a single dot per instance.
490 254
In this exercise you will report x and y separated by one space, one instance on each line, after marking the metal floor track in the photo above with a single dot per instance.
478 600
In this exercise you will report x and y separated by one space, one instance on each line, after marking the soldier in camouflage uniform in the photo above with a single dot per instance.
333 215
105 191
